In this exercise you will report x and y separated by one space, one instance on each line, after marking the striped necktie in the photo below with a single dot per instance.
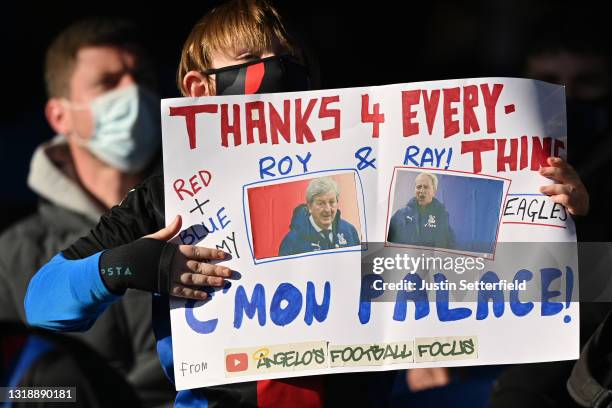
327 235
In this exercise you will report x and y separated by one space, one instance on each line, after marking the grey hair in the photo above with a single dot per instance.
321 185
432 177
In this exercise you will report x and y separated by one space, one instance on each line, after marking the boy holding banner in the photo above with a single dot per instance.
240 47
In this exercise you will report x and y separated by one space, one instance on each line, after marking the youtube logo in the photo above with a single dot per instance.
236 362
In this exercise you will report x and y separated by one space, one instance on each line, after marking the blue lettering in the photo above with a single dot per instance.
367 294
269 166
411 151
264 167
428 156
418 296
497 295
313 309
293 297
288 167
304 161
285 305
548 275
520 308
213 227
199 326
439 154
243 305
222 217
445 314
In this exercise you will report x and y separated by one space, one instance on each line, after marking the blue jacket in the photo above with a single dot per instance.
427 226
303 237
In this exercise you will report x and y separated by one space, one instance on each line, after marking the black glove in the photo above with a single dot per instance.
143 264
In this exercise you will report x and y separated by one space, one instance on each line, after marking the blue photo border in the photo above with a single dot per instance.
362 247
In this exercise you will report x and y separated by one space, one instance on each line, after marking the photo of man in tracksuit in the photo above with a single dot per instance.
424 220
317 225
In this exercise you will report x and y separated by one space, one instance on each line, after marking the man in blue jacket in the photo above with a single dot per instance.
317 225
424 220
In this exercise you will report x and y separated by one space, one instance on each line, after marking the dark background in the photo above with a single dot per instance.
357 43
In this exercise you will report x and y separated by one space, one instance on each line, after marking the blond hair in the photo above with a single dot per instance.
234 26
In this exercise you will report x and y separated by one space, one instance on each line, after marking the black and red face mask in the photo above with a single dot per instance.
265 75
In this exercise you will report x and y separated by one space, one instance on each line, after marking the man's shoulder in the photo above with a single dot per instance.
290 236
30 228
34 239
402 213
21 225
23 248
345 225
289 244
349 229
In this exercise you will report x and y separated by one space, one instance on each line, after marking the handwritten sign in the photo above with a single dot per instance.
372 228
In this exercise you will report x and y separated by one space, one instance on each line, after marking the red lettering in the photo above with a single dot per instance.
524 155
470 101
302 130
540 152
280 126
409 99
234 128
205 181
431 107
490 100
194 184
178 188
451 127
190 112
179 184
510 159
259 123
375 118
477 147
324 112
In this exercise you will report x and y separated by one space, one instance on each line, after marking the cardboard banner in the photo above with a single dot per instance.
374 228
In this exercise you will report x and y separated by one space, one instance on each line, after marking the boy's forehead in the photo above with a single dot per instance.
221 58
238 47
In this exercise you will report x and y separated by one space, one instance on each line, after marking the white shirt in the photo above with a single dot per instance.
319 229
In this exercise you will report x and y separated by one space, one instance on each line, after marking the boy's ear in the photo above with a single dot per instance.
195 84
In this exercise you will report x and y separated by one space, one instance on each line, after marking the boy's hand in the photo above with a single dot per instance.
190 268
568 189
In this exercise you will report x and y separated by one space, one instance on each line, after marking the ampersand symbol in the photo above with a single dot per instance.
363 155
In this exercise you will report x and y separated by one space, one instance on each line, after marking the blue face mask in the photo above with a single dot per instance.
126 128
